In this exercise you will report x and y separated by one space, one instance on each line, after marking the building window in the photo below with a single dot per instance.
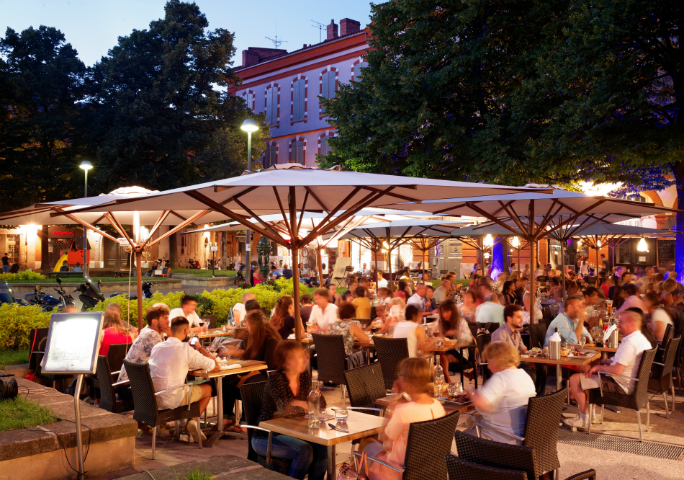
328 85
357 70
297 154
299 99
272 105
325 149
270 155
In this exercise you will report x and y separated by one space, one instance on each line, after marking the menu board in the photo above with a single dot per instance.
73 342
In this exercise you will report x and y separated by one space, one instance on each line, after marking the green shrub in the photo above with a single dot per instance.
16 323
25 275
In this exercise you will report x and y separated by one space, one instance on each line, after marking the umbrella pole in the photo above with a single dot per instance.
562 245
138 281
533 289
596 244
389 269
319 260
295 294
518 250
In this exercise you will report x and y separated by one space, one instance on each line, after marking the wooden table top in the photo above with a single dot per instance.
249 366
431 345
448 407
600 349
359 425
216 332
575 361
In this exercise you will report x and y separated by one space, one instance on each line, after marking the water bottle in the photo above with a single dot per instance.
314 405
439 378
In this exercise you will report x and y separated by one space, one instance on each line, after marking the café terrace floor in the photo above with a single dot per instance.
609 464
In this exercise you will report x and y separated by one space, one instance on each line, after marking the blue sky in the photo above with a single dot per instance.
92 26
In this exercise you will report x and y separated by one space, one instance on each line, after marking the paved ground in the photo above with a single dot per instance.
610 465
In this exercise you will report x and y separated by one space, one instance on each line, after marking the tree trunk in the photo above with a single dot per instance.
173 250
44 253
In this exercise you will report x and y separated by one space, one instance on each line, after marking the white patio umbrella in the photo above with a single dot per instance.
292 189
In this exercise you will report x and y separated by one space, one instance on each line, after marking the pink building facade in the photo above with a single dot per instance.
286 86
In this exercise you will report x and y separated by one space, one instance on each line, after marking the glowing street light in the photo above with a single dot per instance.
85 166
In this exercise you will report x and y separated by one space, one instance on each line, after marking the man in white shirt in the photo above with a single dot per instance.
323 313
418 300
442 292
188 310
170 363
364 270
489 311
633 300
382 283
626 363
239 311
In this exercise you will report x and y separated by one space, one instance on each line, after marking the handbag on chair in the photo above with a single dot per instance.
348 472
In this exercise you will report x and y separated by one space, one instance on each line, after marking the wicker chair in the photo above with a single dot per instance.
541 430
108 399
537 334
482 341
115 356
145 401
635 401
661 373
331 358
252 398
390 352
365 385
209 320
427 441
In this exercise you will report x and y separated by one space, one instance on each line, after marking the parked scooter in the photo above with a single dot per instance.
146 288
66 298
47 302
90 294
7 295
193 264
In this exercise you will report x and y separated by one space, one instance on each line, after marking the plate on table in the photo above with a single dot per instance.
461 399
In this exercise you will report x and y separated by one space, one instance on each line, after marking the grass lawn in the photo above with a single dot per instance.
69 280
19 413
13 357
204 273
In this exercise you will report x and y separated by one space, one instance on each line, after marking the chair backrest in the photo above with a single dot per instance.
541 429
209 320
104 377
671 350
331 357
495 454
460 469
37 335
365 385
428 442
116 354
145 401
641 390
390 352
252 399
669 333
537 334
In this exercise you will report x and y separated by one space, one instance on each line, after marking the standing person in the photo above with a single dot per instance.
414 379
335 298
411 330
364 270
624 365
283 318
361 303
323 313
188 310
286 395
5 263
604 263
170 362
474 270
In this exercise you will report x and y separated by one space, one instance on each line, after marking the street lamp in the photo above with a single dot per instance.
249 126
85 165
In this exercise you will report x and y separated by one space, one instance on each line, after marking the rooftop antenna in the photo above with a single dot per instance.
276 42
320 28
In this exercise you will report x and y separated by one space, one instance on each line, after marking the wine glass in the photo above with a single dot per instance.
582 341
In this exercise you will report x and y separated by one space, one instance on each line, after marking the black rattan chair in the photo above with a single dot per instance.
460 469
661 373
145 401
252 399
365 385
482 341
537 334
115 356
331 358
209 320
390 352
636 400
105 379
427 442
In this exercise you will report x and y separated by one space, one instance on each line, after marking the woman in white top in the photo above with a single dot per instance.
502 401
583 267
411 330
659 319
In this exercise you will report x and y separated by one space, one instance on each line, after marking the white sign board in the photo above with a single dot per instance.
340 265
73 342
213 248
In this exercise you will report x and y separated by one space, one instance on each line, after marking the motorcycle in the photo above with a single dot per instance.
7 295
43 300
194 264
90 294
66 298
146 288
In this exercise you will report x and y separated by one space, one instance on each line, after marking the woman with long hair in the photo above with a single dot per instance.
282 319
452 325
114 330
509 292
467 308
401 290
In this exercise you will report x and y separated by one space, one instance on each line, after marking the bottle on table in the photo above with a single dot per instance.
314 402
439 378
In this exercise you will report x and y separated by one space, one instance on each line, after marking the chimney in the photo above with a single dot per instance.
349 26
249 58
332 30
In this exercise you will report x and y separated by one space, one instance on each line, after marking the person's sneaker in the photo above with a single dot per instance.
576 422
193 430
594 417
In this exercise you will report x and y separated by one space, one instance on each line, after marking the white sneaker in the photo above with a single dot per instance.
576 422
193 430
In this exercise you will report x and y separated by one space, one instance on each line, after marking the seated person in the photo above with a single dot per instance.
306 307
568 322
283 317
538 315
659 317
625 363
395 312
414 379
188 309
239 311
411 330
382 281
383 295
323 313
286 396
77 268
287 273
361 303
170 362
349 330
335 298
114 331
502 401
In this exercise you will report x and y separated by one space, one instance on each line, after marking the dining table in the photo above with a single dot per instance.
246 366
604 350
449 406
574 361
358 425
441 346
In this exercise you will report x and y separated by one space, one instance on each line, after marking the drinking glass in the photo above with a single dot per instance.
341 415
582 341
453 389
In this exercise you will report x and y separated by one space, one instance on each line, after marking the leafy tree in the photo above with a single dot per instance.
41 79
159 114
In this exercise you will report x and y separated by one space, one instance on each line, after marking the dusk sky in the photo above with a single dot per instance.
92 26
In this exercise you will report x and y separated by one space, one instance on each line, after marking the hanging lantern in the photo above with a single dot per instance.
642 246
488 241
515 242
599 244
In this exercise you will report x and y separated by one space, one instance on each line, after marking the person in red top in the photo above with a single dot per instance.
114 331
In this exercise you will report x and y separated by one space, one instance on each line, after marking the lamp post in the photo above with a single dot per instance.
249 126
85 165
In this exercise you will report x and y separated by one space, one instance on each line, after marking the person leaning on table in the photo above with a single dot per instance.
625 363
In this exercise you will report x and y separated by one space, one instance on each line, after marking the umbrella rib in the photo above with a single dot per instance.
87 225
575 217
115 222
292 200
400 197
493 219
301 215
181 226
238 195
258 218
549 216
282 210
514 216
327 210
156 226
178 215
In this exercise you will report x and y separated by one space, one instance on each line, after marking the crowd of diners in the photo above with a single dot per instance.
643 307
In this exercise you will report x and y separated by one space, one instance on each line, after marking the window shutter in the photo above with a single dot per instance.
273 159
357 70
298 152
274 105
325 93
295 100
324 146
331 84
302 99
269 105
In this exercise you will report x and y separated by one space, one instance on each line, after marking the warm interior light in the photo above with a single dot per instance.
488 240
249 125
642 246
136 226
515 242
599 244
